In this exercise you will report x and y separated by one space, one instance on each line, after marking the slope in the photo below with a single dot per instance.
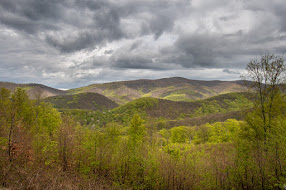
87 101
33 90
167 114
176 89
157 108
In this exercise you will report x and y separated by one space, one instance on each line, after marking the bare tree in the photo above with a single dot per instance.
267 79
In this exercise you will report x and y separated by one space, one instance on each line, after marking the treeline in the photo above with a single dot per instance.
42 149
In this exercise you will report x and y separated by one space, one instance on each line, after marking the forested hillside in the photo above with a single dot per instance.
56 151
33 90
88 101
166 113
176 89
86 141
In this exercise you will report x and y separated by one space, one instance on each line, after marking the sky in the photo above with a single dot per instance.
72 43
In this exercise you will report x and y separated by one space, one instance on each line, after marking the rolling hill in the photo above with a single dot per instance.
175 110
87 101
34 90
178 101
176 89
166 113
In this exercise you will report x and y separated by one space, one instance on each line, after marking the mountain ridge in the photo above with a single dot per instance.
33 89
88 101
174 88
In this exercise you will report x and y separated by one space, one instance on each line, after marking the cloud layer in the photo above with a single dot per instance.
71 43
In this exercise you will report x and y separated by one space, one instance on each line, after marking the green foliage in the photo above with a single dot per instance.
186 95
21 103
47 122
218 132
177 97
259 148
90 118
139 106
87 101
24 119
137 131
4 105
180 134
223 103
161 123
209 108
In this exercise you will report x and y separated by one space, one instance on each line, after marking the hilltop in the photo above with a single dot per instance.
165 113
176 89
33 90
122 92
175 110
87 101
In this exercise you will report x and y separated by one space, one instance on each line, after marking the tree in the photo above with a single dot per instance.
5 104
263 135
179 134
267 78
137 130
19 110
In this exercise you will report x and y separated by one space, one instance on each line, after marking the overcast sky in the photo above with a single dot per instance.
73 43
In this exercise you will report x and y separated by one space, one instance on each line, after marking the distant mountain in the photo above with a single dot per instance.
176 89
87 101
33 90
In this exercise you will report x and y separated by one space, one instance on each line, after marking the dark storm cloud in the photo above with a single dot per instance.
188 51
34 9
198 50
139 55
81 40
134 56
158 25
30 16
93 22
133 62
63 17
213 51
77 40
